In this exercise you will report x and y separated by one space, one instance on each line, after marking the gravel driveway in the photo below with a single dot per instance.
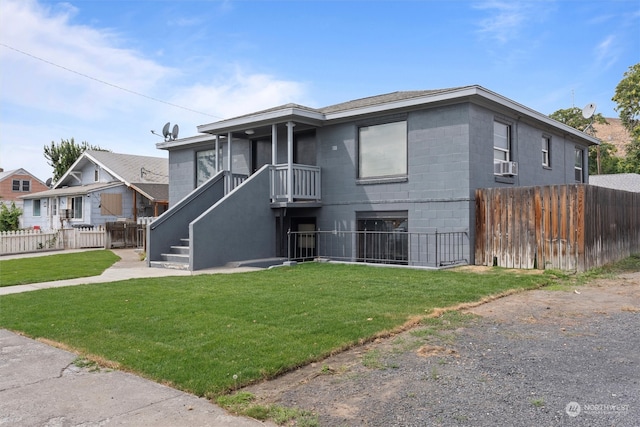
536 358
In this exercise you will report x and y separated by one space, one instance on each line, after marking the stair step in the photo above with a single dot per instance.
169 265
184 250
176 258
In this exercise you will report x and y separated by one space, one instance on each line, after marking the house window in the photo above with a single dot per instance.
36 207
21 185
579 165
76 207
382 150
501 142
205 166
546 151
382 237
96 175
54 207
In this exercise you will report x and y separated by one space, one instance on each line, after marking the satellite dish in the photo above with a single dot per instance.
48 183
588 110
174 134
165 130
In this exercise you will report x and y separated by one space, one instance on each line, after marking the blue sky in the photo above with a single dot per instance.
109 71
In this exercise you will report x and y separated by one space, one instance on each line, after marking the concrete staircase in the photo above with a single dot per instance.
177 258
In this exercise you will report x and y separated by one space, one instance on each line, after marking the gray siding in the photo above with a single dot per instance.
239 227
436 191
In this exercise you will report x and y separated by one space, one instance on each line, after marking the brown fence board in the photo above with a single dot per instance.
569 227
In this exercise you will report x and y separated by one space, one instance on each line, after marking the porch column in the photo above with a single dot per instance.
290 126
229 180
274 144
217 153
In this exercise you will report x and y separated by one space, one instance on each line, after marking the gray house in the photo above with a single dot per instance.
101 187
388 178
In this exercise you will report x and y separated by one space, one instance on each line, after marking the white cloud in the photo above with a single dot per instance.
504 20
607 52
80 97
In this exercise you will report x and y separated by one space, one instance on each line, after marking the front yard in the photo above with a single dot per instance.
211 334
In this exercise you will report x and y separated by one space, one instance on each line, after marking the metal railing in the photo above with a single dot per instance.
437 249
305 182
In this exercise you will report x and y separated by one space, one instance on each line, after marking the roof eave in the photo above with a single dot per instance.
526 111
294 114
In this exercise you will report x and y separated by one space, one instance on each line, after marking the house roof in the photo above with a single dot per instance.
147 175
128 168
395 102
76 190
7 174
620 181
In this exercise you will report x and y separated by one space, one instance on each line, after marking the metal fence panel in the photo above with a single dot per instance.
380 247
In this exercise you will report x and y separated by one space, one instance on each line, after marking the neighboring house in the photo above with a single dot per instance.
403 162
620 181
101 187
17 183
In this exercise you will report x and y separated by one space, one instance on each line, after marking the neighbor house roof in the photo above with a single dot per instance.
7 174
620 181
390 103
134 171
76 190
147 175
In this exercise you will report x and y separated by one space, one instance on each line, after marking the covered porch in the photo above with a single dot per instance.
284 139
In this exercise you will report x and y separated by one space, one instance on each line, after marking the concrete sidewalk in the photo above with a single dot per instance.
41 386
130 266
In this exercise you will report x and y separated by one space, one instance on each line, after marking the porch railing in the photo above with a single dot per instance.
305 183
437 249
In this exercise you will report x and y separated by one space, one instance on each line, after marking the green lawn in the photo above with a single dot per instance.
22 271
198 332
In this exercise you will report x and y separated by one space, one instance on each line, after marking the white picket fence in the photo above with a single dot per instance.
23 241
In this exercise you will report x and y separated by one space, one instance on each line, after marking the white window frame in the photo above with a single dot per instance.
72 205
36 211
546 151
500 153
383 150
203 175
578 168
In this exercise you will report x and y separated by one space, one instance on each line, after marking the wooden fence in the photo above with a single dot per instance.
23 241
566 227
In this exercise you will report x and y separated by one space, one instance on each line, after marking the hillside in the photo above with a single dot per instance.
613 133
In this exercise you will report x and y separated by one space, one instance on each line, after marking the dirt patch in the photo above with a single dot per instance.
522 358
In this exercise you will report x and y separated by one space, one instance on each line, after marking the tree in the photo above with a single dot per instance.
601 155
627 96
9 217
573 117
609 162
62 156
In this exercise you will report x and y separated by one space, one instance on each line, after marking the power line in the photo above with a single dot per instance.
107 83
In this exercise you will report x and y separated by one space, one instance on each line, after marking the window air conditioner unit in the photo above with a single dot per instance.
505 168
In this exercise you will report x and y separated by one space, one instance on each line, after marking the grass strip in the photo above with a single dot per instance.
47 268
211 334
